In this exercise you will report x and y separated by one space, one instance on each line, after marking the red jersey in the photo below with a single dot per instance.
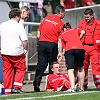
70 39
69 4
55 82
50 28
84 2
92 31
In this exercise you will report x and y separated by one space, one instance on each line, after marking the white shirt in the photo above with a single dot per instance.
21 22
12 34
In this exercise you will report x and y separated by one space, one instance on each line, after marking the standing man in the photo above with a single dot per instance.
14 46
25 14
91 42
48 33
68 4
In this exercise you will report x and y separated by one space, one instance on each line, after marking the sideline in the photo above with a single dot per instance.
58 95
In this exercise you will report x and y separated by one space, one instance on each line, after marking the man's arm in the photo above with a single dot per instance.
62 3
38 36
90 4
82 34
60 52
25 44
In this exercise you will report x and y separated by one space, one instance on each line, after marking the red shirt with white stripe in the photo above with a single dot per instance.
55 82
50 28
70 39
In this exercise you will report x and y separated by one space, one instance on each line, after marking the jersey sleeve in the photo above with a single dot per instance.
62 40
47 86
22 32
66 82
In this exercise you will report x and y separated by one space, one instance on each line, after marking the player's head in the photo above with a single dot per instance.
25 12
55 67
66 25
89 15
60 10
15 13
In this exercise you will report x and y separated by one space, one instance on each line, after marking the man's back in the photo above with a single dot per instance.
11 35
50 28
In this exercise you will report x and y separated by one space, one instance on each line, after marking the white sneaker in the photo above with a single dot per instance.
71 90
81 90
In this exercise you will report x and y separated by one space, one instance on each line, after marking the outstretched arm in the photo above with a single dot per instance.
60 52
62 2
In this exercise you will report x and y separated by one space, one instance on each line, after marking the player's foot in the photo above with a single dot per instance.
81 90
71 90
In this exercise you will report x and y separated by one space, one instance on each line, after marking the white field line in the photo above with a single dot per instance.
58 95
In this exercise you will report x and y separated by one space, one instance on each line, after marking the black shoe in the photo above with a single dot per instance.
36 89
36 86
17 91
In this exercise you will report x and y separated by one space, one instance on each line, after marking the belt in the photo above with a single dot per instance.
89 44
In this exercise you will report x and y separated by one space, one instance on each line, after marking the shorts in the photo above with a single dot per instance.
74 56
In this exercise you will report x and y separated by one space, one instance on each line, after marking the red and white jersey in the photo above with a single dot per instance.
70 39
69 4
56 82
50 28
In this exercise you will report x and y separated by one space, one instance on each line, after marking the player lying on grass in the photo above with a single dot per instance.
57 81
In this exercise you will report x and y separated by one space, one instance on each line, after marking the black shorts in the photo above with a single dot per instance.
74 56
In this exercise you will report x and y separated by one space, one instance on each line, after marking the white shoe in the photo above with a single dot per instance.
81 90
71 90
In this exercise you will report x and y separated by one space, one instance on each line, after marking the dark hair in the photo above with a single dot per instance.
59 9
14 12
67 25
24 8
55 62
44 12
88 11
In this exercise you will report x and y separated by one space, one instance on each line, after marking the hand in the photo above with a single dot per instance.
83 32
37 47
59 57
50 90
25 51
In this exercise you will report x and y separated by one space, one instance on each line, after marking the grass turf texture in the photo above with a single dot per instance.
90 94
